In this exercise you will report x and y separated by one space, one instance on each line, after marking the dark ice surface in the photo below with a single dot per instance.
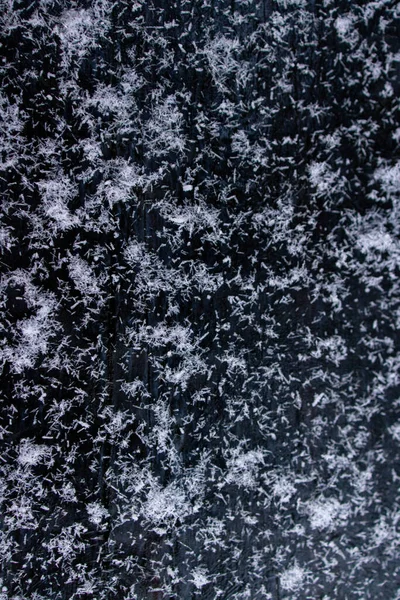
200 304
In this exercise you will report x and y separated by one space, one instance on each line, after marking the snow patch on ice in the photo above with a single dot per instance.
97 513
327 513
31 454
199 578
166 504
243 468
292 578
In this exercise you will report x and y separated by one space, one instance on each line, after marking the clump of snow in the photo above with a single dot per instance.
283 489
220 54
193 218
166 504
322 177
384 530
163 132
56 193
88 587
121 180
97 513
199 578
12 120
395 431
244 467
214 533
79 28
68 492
68 542
203 280
178 336
327 513
31 336
31 454
5 238
20 515
389 177
343 25
292 578
375 240
346 30
333 348
83 277
317 170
